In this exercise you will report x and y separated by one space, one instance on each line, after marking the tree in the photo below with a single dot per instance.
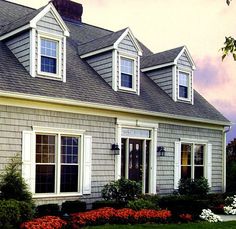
229 44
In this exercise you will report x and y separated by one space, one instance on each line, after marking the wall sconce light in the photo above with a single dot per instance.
161 150
115 149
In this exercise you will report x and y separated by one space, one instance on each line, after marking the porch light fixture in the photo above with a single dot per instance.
115 149
161 151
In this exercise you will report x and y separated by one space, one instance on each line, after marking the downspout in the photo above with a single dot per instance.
224 156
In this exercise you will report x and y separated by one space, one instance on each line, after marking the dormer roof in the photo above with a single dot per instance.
106 43
165 58
30 20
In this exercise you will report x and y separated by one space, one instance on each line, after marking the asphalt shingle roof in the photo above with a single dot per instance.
84 84
160 58
100 43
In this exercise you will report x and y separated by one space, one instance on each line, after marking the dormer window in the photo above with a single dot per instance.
49 60
184 85
49 56
127 73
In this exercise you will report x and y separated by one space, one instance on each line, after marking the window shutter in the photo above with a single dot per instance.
28 155
209 164
87 164
177 169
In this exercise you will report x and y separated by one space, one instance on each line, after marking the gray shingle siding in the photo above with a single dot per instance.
163 78
20 47
167 134
102 64
49 24
127 46
14 120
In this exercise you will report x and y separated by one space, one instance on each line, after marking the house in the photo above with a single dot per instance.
83 106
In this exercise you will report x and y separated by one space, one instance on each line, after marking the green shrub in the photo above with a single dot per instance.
9 213
12 185
181 204
73 206
122 190
108 203
141 204
193 187
27 210
47 209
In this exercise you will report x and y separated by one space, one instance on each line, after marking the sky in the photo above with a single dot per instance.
201 25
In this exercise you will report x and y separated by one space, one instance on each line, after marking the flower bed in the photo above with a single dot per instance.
46 222
120 216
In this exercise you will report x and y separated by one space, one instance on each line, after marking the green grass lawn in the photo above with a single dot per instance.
201 225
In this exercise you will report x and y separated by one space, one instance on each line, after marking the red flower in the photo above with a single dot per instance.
186 217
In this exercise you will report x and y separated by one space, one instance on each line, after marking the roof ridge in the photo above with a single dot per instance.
97 27
101 37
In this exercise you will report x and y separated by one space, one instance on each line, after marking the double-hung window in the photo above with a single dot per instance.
192 160
49 56
57 163
127 73
183 85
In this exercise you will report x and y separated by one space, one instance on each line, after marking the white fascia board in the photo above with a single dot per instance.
189 57
70 102
12 33
97 52
58 18
157 67
133 39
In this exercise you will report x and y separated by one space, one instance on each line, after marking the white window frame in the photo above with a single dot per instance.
188 99
134 76
55 38
58 132
207 159
193 157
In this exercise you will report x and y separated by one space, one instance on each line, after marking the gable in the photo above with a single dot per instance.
48 23
127 46
183 61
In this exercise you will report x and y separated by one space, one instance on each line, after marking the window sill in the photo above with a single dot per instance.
54 195
126 89
49 76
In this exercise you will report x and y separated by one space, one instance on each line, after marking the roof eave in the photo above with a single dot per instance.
157 67
72 102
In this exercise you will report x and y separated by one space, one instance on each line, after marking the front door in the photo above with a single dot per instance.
135 160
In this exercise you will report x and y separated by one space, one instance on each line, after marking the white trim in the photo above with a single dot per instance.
194 141
57 130
137 123
174 91
190 88
93 53
153 158
138 80
114 70
32 52
9 94
224 161
64 60
12 33
58 18
157 67
58 74
134 76
188 56
131 36
118 157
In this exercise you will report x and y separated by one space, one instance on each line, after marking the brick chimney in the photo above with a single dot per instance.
69 10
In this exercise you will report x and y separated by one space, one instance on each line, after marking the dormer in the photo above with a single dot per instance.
116 58
38 40
172 70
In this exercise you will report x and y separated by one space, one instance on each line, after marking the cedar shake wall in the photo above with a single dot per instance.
13 120
167 134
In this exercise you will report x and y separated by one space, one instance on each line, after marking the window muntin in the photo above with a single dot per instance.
50 161
183 85
192 160
127 73
45 164
49 56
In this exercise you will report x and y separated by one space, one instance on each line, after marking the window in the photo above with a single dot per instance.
183 85
192 160
49 56
57 169
127 73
